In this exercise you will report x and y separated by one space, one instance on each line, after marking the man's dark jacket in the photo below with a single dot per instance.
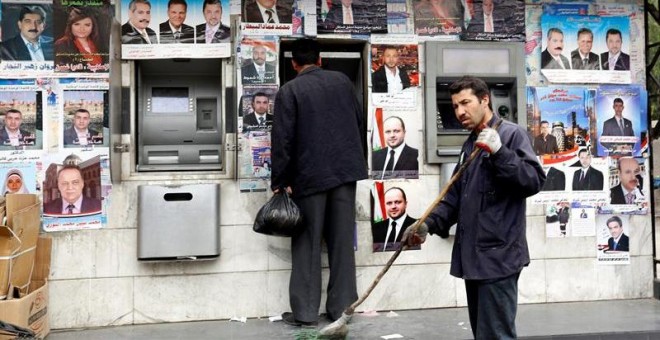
317 133
488 203
129 35
623 245
70 135
593 62
15 49
622 63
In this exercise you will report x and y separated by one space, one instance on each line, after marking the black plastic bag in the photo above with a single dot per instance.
280 216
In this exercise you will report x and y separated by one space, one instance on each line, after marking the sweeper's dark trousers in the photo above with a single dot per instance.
492 306
328 215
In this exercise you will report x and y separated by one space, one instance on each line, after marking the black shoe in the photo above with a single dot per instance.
288 319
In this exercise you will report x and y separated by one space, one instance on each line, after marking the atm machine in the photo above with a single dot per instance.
500 64
179 115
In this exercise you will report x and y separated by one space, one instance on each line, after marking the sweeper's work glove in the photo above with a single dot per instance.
489 140
416 238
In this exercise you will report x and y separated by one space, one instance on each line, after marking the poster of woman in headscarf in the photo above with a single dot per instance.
18 178
351 16
82 36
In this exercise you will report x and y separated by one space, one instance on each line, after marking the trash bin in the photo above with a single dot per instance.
178 222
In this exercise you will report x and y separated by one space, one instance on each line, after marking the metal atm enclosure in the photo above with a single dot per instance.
347 56
179 114
501 65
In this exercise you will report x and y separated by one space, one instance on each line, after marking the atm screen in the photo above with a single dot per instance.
169 100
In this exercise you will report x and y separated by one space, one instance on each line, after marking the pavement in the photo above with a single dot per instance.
593 320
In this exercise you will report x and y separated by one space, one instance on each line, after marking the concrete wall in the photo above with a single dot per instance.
96 279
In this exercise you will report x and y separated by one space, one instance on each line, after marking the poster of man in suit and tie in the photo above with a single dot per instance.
391 215
27 38
392 156
255 120
559 121
259 61
587 177
175 29
612 239
257 108
628 177
495 20
587 45
74 192
394 67
351 16
85 119
268 17
621 120
21 120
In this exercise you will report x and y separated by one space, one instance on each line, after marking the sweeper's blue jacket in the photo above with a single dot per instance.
488 204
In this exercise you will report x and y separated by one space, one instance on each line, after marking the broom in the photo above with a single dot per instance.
338 328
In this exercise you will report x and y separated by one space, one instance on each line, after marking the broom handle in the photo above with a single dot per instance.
416 225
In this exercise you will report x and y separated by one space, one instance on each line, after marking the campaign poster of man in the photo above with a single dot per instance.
85 116
26 22
175 29
629 182
73 194
586 49
394 209
351 16
259 61
438 18
559 123
494 20
256 108
621 121
21 119
394 67
613 239
393 155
